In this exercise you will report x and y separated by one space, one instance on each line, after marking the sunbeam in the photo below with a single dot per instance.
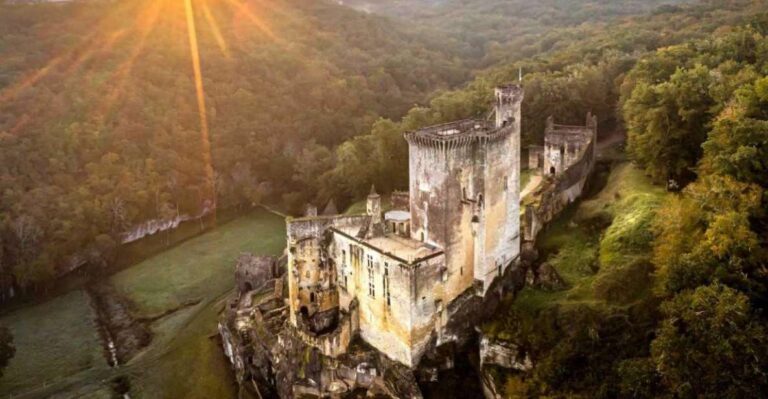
215 29
200 93
253 18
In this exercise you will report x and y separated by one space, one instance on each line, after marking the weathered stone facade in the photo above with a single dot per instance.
458 231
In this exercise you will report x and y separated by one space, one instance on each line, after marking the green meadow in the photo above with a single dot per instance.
59 352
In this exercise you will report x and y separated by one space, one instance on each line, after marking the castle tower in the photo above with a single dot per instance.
507 104
465 191
373 206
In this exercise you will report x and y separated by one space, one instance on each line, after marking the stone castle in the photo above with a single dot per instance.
393 277
413 282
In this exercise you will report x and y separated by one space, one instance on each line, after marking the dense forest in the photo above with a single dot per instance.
101 129
492 31
677 287
585 72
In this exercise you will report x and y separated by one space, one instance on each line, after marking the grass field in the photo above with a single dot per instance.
182 360
202 267
57 342
53 340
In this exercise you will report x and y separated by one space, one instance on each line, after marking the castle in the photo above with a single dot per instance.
392 277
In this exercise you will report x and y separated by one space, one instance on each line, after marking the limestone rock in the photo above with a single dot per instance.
504 354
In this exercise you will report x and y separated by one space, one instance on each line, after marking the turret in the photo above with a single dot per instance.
507 104
373 206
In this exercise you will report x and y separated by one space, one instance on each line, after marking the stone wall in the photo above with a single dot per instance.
561 189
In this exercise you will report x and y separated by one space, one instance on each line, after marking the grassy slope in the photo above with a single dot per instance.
56 340
182 361
202 267
575 247
53 340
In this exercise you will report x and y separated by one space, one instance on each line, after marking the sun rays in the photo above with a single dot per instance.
200 95
110 52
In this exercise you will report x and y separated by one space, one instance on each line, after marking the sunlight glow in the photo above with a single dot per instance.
30 80
200 93
215 29
253 18
146 23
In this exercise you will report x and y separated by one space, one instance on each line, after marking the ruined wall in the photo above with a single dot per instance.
562 189
536 157
336 342
311 273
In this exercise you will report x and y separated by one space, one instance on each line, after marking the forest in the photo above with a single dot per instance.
676 293
101 130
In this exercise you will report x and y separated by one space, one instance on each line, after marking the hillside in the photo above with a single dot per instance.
582 71
106 121
492 31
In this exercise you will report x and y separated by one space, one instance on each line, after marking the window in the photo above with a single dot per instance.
385 283
371 283
506 183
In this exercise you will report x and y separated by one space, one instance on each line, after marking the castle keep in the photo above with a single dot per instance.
392 277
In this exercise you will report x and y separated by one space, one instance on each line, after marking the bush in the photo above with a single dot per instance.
638 378
625 283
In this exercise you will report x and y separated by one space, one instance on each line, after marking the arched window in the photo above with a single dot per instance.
552 170
312 297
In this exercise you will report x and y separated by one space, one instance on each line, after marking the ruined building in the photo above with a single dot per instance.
566 161
393 278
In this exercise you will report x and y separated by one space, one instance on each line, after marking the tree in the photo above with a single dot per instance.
7 350
667 122
710 345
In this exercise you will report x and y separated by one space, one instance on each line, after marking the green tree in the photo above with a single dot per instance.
710 345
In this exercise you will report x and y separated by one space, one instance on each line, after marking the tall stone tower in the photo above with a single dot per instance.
465 191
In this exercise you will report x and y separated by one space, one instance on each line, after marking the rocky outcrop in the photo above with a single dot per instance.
504 354
545 277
